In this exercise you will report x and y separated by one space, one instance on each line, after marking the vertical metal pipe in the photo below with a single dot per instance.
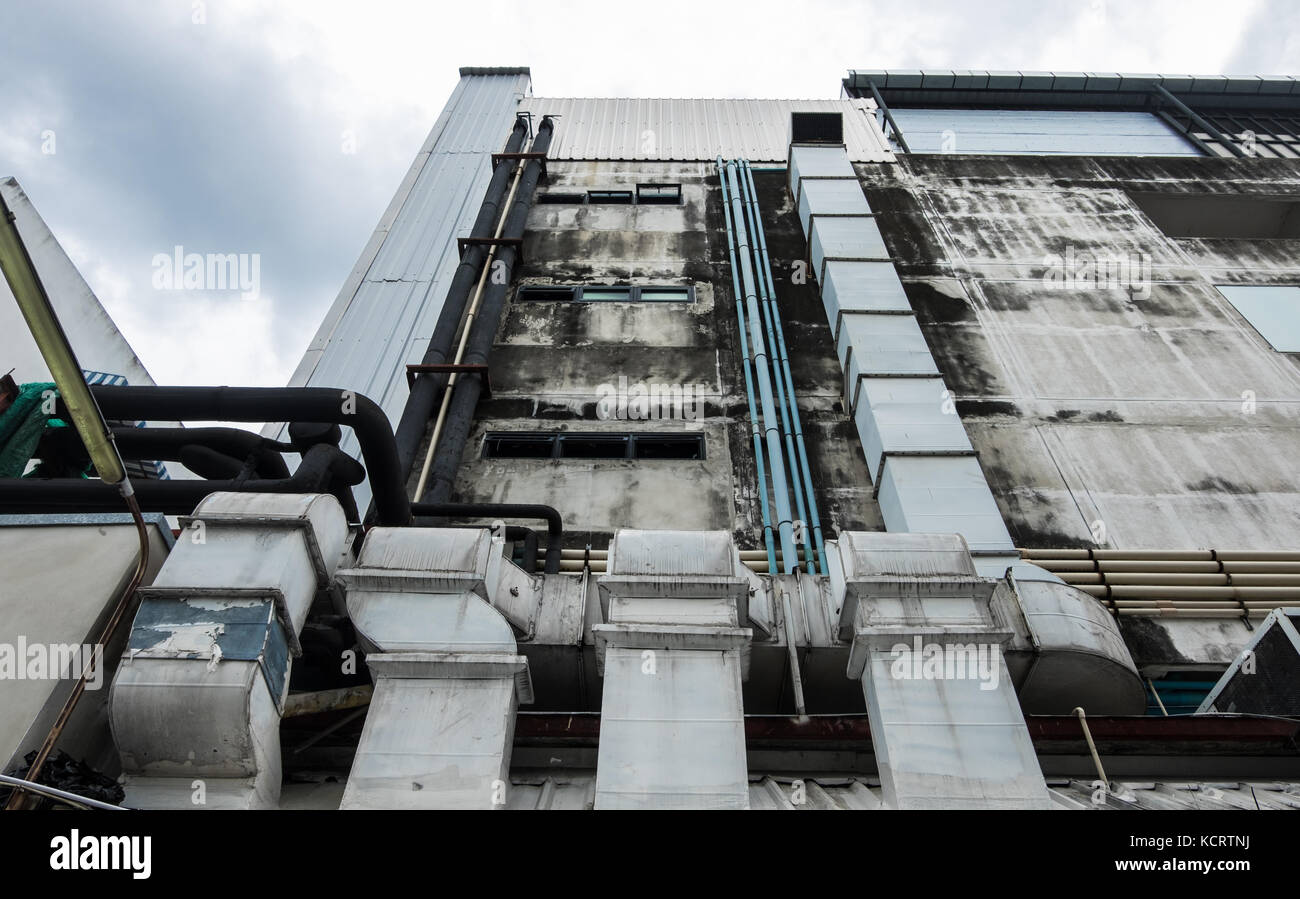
762 369
814 516
796 678
460 415
424 390
749 381
768 311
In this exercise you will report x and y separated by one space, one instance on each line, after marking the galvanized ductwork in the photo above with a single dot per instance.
196 703
946 726
924 471
674 651
448 677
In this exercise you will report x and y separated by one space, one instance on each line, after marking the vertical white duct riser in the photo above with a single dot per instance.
674 654
195 705
448 678
939 743
926 476
945 721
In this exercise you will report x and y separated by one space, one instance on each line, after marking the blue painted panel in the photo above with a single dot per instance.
1273 310
1040 132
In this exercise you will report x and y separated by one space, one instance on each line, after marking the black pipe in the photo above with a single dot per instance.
166 443
323 468
465 396
269 404
554 524
425 389
212 464
518 533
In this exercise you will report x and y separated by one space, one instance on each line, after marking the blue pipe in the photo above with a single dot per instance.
762 366
814 517
768 311
749 382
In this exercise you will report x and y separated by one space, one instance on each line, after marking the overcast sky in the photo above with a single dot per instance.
224 126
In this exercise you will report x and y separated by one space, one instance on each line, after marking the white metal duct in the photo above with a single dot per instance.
673 653
196 702
448 678
945 722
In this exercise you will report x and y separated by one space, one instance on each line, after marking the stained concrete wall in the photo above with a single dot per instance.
1103 405
1123 413
551 358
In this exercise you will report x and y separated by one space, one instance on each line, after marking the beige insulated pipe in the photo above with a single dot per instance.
1132 565
1136 591
464 334
1165 555
1181 580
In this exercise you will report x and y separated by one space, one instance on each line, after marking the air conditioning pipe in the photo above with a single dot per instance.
1194 555
783 358
766 313
762 369
424 390
746 365
554 523
271 404
461 414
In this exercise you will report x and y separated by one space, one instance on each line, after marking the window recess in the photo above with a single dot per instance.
592 445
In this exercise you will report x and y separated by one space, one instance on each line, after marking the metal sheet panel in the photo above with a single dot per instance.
695 129
876 345
818 162
385 312
1040 132
855 238
674 737
851 287
942 495
1273 310
836 197
99 346
905 415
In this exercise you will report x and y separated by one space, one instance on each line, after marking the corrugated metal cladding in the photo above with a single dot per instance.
697 130
1085 132
386 311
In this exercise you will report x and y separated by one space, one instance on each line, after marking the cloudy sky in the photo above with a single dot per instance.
283 128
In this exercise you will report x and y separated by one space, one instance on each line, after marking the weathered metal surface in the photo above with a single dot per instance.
690 129
385 312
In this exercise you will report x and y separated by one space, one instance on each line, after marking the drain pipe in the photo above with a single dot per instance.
460 416
749 381
470 317
783 357
424 389
762 368
765 310
1092 747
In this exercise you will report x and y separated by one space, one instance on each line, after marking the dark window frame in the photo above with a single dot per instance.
659 200
556 198
604 196
634 444
577 293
